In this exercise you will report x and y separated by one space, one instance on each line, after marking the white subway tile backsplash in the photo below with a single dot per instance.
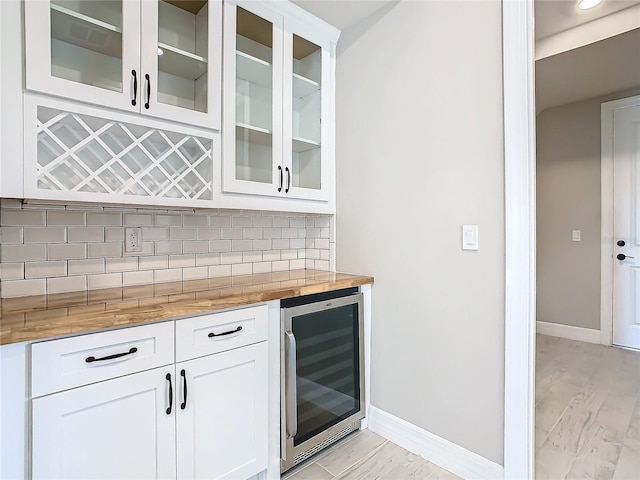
104 250
10 235
137 278
45 235
209 233
241 221
297 264
241 269
86 267
58 248
195 273
252 232
219 271
45 269
150 234
23 253
66 251
180 233
230 257
297 222
114 234
231 233
107 280
170 275
220 221
241 245
138 220
280 265
156 262
66 284
262 221
85 234
289 254
65 218
19 218
198 221
261 245
11 271
104 219
24 288
281 222
168 220
168 247
195 246
262 267
181 261
281 243
207 259
125 264
251 257
220 245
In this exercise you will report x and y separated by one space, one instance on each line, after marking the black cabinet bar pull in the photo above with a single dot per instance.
183 374
280 170
211 335
111 357
146 77
135 88
286 190
168 377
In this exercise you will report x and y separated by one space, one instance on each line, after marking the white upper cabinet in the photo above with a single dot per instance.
160 58
277 91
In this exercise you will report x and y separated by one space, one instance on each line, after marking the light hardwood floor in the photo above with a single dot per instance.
365 455
587 424
587 411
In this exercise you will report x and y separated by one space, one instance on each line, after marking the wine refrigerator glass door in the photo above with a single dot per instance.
323 374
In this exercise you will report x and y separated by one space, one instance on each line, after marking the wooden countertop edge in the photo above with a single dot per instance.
120 317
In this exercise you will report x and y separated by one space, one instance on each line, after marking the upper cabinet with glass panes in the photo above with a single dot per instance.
278 103
156 57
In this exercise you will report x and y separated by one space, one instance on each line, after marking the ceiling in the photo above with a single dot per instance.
342 14
604 67
555 16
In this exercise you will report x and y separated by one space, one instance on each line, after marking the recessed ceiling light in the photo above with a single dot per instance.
587 4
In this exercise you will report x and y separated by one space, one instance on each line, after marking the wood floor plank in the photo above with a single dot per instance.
313 471
388 457
599 457
346 454
628 466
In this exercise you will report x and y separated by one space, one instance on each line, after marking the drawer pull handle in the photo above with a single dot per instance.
183 374
111 357
211 335
168 377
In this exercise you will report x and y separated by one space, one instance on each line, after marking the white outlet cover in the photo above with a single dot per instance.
132 240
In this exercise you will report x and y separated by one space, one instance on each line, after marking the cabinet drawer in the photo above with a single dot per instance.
71 362
217 332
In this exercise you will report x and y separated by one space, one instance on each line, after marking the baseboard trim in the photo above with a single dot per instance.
446 454
580 334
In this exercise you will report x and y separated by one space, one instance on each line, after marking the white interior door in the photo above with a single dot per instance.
626 270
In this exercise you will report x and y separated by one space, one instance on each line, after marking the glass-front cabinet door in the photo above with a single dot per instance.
84 50
252 138
306 84
181 60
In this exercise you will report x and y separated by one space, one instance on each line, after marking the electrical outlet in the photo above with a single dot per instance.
132 240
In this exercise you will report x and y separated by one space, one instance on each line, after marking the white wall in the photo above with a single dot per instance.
419 153
568 193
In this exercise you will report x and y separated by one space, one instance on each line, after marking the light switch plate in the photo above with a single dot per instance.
575 235
470 237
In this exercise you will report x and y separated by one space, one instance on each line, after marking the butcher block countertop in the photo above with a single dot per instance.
40 317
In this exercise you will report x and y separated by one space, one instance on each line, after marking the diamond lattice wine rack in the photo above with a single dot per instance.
91 155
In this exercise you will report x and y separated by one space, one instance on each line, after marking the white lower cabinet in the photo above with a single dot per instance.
202 418
222 429
117 429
